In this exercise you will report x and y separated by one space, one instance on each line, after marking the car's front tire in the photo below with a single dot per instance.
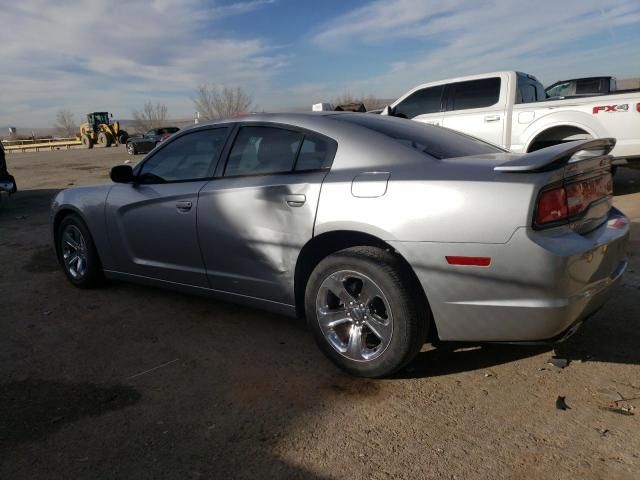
364 311
77 253
131 148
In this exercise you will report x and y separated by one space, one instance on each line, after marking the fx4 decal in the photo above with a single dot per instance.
611 108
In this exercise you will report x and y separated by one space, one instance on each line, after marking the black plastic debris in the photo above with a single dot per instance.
561 404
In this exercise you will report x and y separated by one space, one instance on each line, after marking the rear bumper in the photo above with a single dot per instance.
538 285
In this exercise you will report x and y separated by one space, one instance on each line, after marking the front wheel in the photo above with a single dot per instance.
77 253
364 311
131 149
104 139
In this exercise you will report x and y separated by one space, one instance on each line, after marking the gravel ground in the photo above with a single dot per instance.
134 382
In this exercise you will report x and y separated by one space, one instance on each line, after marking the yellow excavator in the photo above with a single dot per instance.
99 131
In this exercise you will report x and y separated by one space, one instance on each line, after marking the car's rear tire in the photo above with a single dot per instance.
365 312
77 253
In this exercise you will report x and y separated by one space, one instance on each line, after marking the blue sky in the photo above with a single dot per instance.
85 55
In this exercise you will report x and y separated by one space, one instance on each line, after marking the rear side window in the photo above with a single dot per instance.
474 94
529 90
427 100
435 141
316 153
261 150
588 86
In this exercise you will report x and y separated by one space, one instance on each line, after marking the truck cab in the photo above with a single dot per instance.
477 104
510 109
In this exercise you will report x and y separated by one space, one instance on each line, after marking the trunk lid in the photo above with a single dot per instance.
581 196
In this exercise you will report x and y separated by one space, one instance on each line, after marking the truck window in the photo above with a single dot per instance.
560 90
474 94
529 90
591 85
426 100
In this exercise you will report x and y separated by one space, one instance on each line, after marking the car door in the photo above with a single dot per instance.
477 107
423 105
152 223
259 211
148 141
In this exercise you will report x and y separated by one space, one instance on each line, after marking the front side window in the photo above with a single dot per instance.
262 150
188 157
560 90
474 94
427 100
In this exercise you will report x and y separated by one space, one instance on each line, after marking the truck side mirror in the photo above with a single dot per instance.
387 111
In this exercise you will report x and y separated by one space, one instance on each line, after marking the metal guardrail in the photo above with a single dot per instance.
54 145
10 143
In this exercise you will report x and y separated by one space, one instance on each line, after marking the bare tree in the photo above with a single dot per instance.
151 116
370 102
65 124
213 103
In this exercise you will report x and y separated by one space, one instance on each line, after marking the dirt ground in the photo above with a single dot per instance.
134 382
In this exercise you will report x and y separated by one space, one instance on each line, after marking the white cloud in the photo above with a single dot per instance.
466 36
86 55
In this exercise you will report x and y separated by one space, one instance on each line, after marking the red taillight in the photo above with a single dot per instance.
572 199
637 107
552 206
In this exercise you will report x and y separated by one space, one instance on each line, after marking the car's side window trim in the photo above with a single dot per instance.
214 161
222 164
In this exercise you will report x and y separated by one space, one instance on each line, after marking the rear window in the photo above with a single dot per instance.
435 141
474 94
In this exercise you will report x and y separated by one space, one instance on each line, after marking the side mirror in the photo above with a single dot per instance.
387 111
122 174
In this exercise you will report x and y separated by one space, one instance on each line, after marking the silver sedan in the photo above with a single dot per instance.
381 232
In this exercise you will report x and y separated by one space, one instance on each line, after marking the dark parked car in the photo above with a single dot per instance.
149 140
7 182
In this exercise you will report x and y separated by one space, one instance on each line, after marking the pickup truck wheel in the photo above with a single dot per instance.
77 253
362 311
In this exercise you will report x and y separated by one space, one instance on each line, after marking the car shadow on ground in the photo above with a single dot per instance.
626 181
31 409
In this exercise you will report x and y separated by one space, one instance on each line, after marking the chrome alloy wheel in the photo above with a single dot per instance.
74 252
354 315
131 149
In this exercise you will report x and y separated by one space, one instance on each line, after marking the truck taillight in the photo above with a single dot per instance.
637 107
570 200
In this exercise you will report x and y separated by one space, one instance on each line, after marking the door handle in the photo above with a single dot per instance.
296 200
491 118
184 206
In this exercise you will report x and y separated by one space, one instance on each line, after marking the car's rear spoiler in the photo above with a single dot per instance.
561 154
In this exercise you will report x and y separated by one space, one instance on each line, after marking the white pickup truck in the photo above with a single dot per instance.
510 109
